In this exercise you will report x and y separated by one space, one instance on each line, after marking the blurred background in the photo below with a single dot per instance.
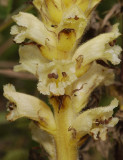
15 137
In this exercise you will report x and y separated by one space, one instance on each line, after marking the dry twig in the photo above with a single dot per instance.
12 74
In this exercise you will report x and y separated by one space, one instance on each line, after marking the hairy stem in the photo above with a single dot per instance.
65 138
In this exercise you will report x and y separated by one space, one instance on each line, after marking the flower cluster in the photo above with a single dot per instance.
66 71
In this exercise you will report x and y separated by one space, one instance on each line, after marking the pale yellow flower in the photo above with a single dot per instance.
23 105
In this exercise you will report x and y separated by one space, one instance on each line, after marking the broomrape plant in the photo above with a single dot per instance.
67 73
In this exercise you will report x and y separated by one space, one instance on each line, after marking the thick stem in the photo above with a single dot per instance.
66 145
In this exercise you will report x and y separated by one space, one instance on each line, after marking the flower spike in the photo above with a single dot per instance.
67 74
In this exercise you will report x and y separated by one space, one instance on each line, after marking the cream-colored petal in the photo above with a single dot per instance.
15 30
19 32
96 121
83 87
44 139
55 76
100 47
23 105
114 92
30 58
28 26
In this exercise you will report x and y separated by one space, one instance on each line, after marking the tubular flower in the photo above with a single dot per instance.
66 73
22 105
